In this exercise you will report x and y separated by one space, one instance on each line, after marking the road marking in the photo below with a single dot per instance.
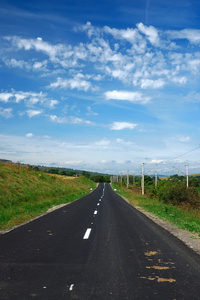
71 287
98 204
95 212
87 233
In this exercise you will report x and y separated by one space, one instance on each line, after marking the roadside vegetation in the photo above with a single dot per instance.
170 200
26 193
96 177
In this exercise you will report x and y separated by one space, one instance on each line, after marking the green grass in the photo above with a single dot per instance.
183 217
25 194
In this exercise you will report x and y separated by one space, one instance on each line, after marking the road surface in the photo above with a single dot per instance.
98 247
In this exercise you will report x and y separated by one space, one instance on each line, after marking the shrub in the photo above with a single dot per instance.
176 193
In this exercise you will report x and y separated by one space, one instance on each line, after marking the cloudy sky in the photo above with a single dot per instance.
101 85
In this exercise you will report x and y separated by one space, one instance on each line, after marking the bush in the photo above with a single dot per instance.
176 193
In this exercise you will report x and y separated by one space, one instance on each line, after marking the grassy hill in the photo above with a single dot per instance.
26 193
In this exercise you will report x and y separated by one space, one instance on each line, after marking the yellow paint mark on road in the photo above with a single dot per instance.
151 253
149 278
166 280
158 268
159 279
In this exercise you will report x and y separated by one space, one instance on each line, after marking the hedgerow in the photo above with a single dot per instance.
176 193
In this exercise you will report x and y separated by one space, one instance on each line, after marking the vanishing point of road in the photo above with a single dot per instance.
98 247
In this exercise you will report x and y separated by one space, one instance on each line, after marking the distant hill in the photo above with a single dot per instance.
58 170
5 160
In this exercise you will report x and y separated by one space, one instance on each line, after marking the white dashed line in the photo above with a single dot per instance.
98 204
71 287
95 212
87 233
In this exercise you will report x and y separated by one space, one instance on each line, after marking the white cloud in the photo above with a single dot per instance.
152 84
52 103
6 112
5 97
183 138
90 112
58 54
151 33
179 79
57 119
39 65
192 35
29 66
103 142
123 142
135 97
13 63
72 83
19 97
155 161
29 135
29 98
37 44
32 113
73 162
75 120
145 67
91 30
122 125
70 120
129 34
194 65
103 161
193 97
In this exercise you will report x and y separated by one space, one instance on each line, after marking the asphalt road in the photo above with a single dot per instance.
98 248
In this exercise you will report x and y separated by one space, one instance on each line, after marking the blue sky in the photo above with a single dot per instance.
101 86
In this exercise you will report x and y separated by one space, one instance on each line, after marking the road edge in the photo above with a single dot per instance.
192 240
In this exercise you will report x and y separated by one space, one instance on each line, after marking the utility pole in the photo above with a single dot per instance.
156 178
127 178
121 176
133 179
187 179
142 178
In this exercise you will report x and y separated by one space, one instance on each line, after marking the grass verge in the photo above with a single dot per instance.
25 193
182 217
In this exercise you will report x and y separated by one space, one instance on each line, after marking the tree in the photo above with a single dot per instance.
86 174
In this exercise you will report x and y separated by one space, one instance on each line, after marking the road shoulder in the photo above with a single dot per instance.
192 240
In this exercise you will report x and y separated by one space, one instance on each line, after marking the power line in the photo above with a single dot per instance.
172 159
183 154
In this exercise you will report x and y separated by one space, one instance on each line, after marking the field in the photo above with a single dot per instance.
25 193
